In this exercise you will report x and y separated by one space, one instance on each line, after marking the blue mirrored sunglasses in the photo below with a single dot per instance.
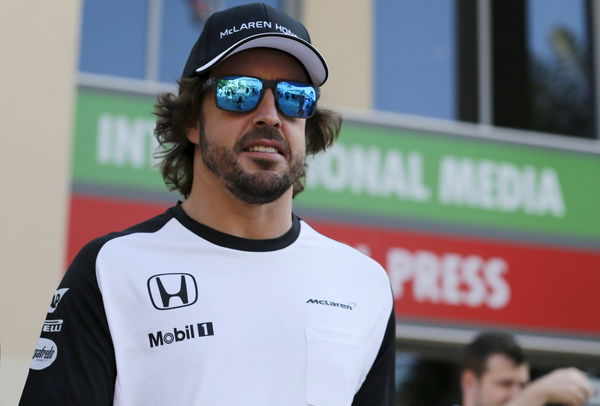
244 93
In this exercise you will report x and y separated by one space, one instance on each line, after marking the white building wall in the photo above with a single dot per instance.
342 31
38 44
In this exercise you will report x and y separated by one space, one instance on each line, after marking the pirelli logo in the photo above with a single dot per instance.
52 326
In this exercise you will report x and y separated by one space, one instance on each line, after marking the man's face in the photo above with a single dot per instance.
501 381
257 155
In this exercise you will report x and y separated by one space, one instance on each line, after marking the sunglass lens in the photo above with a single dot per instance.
296 99
235 93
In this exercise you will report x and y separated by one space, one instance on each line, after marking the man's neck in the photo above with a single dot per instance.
225 213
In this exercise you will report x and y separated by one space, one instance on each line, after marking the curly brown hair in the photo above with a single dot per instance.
177 114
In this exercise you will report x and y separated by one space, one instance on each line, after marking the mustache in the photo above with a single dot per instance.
263 133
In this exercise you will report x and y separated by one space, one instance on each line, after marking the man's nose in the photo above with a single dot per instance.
514 390
266 114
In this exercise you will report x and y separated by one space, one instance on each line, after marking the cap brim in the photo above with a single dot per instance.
307 55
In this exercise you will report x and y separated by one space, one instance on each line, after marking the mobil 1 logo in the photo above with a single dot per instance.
177 335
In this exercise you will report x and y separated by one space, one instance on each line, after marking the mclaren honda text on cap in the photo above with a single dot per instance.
249 26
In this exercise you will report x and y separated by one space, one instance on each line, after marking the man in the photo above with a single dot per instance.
227 298
496 374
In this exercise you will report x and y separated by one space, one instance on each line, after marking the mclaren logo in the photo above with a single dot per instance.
349 306
172 290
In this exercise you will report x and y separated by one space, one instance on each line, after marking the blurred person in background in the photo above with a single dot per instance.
227 298
495 373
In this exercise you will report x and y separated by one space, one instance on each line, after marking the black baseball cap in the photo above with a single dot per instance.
255 25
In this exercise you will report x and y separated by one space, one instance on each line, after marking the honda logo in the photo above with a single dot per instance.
172 290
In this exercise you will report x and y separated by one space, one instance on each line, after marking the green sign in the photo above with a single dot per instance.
407 174
394 173
114 141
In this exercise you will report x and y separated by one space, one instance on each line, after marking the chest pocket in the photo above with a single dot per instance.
333 367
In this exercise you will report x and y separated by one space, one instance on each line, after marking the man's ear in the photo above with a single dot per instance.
193 135
468 380
469 383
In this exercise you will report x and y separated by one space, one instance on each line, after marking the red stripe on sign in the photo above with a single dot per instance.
474 281
92 217
436 278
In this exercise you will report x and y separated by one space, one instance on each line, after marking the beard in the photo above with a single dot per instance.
259 187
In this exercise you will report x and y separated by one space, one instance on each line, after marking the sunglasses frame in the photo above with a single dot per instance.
266 84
